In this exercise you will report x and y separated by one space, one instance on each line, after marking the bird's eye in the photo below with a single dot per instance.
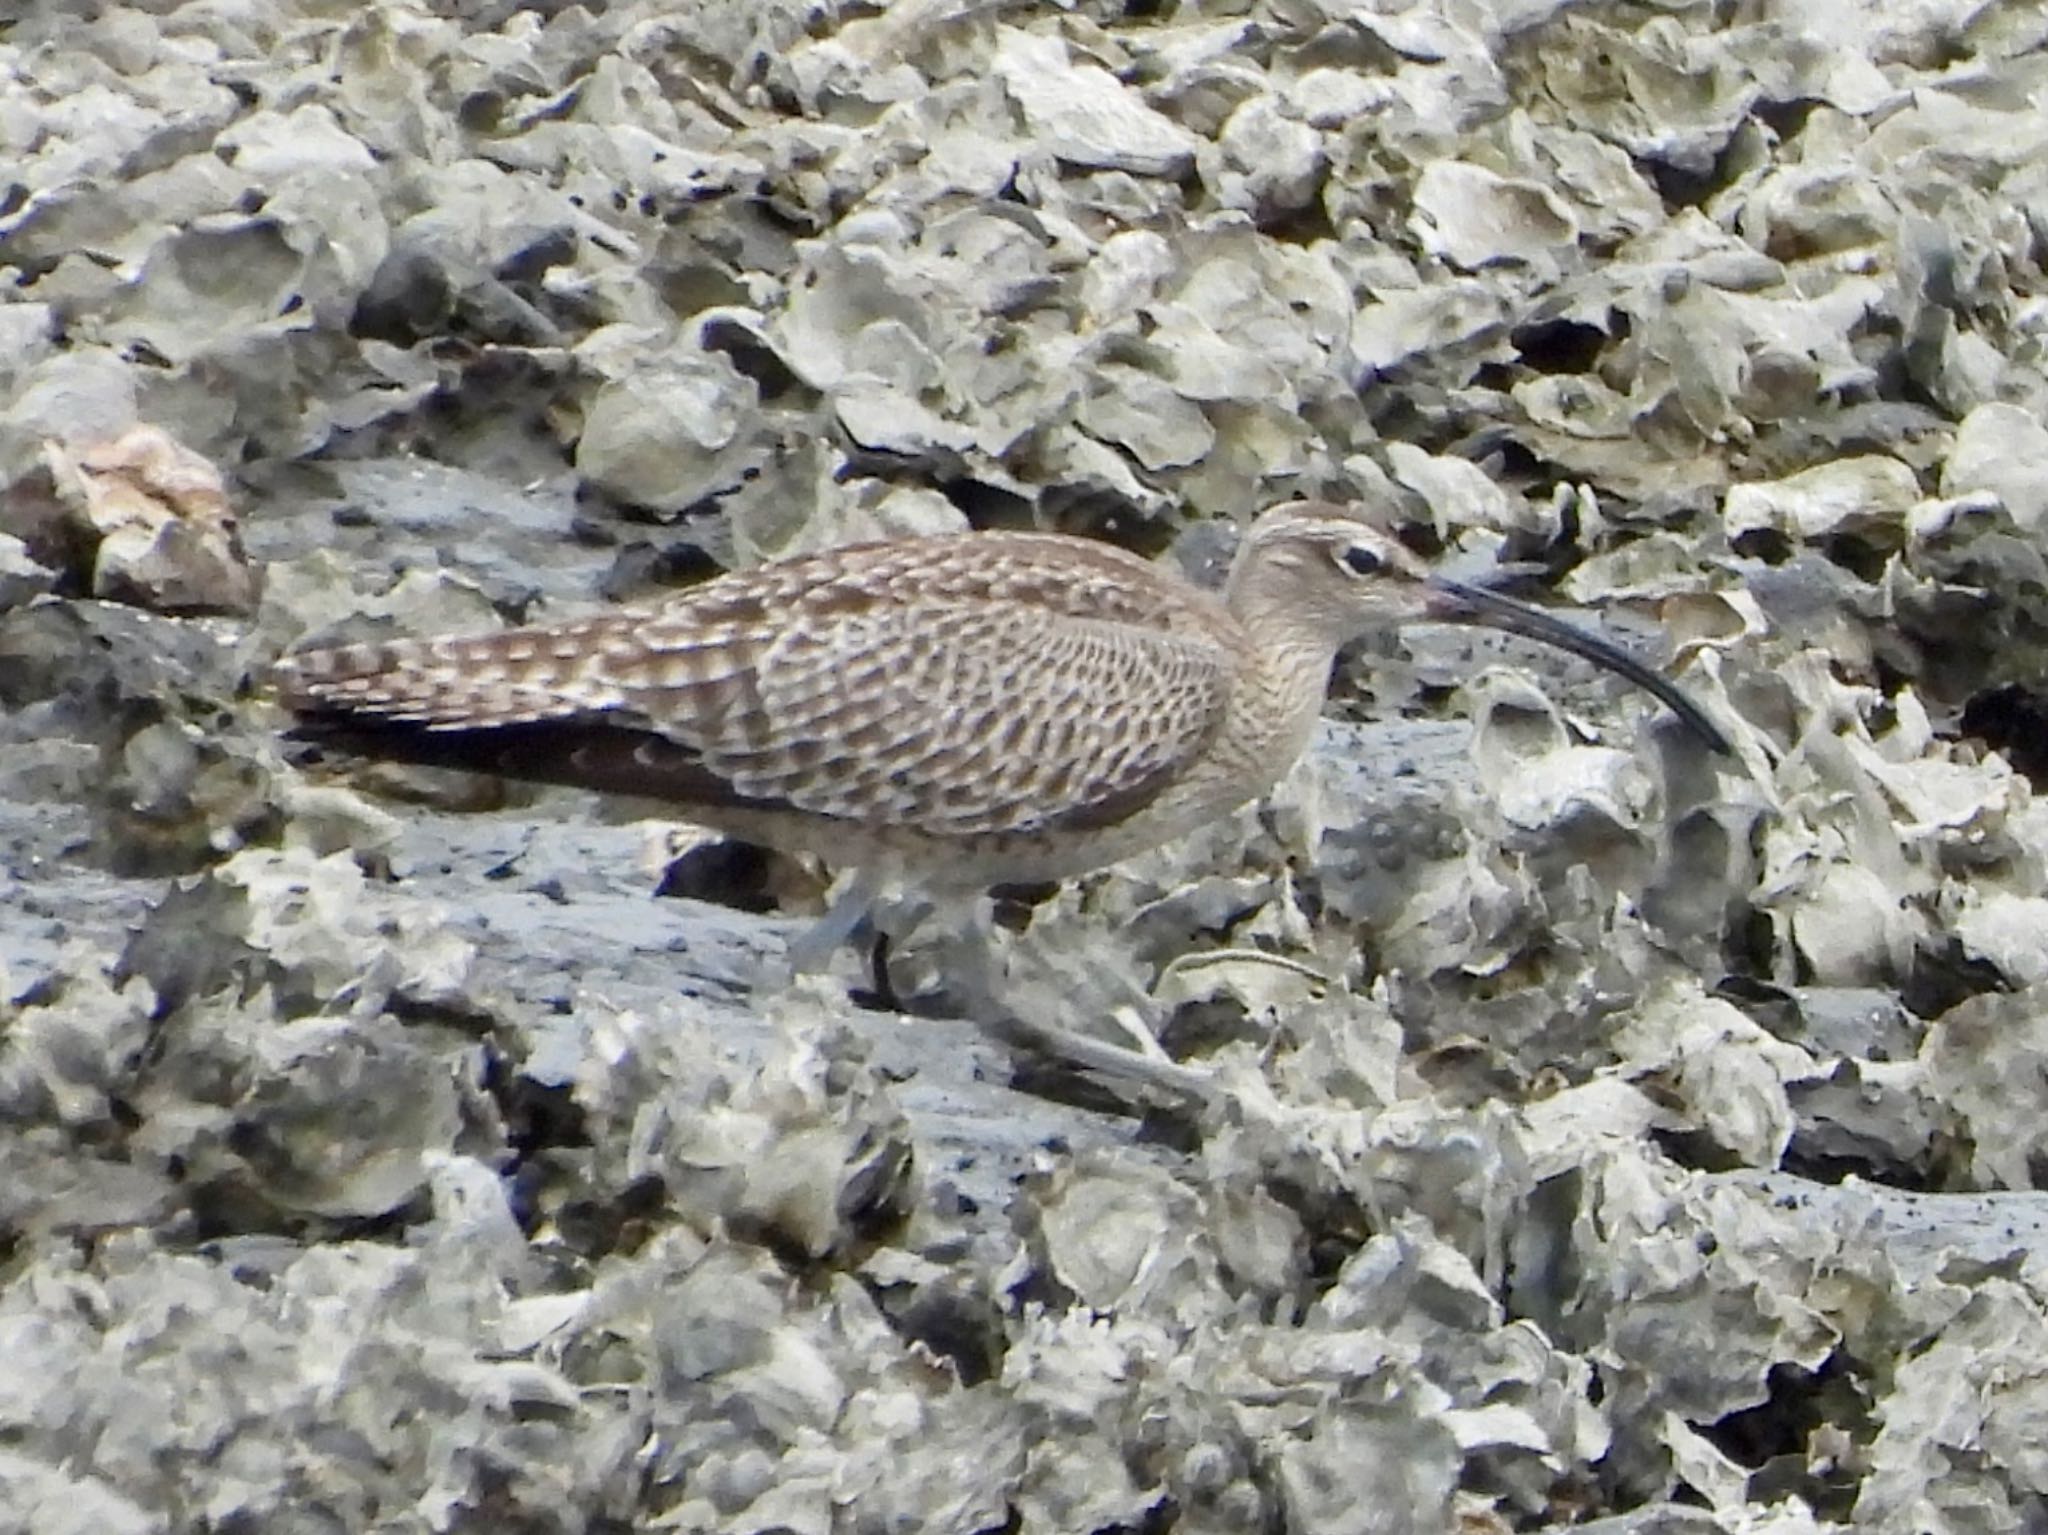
1361 561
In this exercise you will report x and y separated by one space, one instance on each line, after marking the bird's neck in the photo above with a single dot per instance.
1276 702
1299 675
1296 645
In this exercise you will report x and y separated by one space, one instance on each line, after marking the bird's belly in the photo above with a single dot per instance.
971 861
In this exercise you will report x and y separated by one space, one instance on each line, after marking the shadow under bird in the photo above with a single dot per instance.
959 711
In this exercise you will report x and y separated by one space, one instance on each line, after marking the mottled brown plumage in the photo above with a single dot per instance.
965 710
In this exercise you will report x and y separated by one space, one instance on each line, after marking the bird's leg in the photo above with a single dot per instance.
1018 984
891 921
852 904
879 984
861 901
1148 1070
977 958
1146 1067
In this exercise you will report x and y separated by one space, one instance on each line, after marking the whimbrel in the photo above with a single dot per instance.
959 711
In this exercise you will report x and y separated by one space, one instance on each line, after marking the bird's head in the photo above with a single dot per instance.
1322 572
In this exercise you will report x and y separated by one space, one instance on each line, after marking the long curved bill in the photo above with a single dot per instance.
1459 602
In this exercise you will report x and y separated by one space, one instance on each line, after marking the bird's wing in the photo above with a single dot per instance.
965 686
999 719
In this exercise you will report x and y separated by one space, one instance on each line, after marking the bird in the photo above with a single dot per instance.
958 711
